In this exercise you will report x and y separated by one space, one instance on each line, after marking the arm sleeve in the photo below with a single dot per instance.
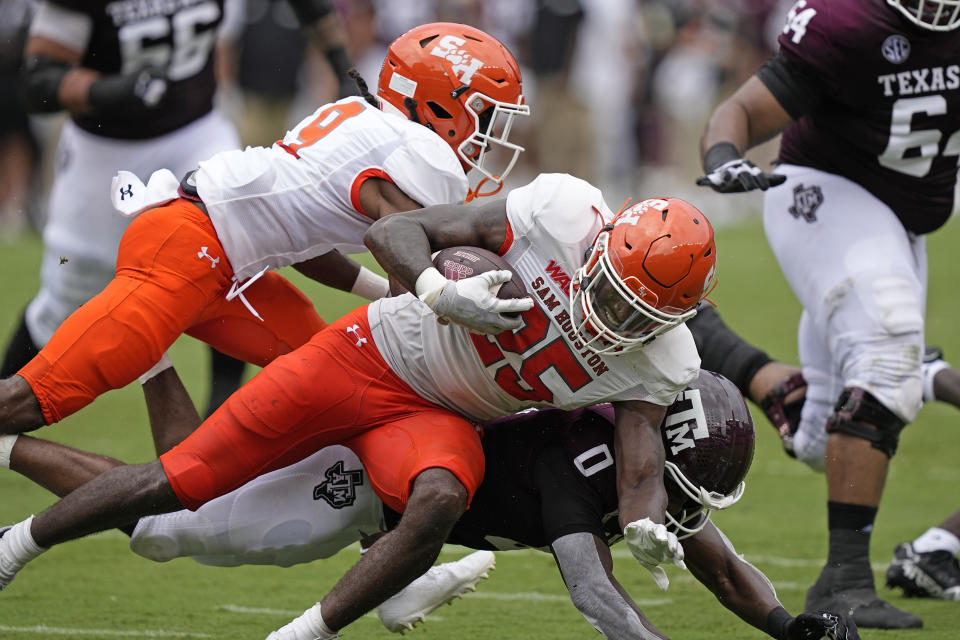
594 592
796 91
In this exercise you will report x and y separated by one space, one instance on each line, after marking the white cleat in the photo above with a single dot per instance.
440 585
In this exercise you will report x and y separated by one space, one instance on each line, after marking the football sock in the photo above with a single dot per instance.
20 544
850 528
20 349
6 446
936 539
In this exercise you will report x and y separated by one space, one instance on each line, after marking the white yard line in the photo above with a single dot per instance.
44 630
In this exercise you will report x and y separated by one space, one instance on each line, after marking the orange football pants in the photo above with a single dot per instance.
172 278
336 389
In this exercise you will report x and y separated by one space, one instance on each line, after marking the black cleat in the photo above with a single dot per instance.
935 574
839 591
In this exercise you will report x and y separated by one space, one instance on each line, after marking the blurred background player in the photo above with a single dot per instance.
139 86
866 176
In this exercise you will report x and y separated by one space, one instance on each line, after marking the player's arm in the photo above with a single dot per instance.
342 272
321 26
747 592
53 79
403 243
781 91
641 496
587 570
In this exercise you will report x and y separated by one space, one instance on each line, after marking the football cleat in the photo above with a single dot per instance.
440 585
935 574
849 590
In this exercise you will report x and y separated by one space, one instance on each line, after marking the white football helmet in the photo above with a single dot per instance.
936 15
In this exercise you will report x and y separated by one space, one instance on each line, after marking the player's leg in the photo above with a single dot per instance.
307 511
426 465
776 387
54 466
160 289
289 320
856 274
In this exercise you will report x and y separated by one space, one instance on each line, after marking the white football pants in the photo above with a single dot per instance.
861 279
83 231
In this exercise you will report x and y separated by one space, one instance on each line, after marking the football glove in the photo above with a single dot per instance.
738 176
727 172
822 625
651 544
472 302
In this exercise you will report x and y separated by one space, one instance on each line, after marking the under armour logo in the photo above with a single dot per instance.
126 192
356 334
203 254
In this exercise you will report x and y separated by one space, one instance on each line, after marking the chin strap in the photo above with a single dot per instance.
476 193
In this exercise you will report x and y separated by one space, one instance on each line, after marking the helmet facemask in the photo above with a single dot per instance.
610 318
694 514
493 121
935 15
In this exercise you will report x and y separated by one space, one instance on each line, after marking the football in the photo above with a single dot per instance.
462 262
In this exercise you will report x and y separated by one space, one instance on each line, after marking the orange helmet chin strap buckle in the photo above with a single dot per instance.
476 193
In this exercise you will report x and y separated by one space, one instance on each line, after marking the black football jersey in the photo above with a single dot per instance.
548 474
888 114
177 36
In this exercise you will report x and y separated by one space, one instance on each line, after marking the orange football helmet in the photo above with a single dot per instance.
644 275
463 84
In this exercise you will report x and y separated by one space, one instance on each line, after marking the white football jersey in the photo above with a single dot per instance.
553 221
309 510
299 198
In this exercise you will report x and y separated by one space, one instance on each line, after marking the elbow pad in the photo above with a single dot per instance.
40 84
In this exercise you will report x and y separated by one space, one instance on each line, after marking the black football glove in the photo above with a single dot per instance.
727 172
122 93
822 625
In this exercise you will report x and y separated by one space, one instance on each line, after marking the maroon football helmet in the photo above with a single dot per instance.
709 440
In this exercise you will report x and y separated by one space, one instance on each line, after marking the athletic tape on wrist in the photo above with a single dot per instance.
370 285
6 446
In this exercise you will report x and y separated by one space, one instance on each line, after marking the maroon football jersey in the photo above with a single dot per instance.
176 36
889 117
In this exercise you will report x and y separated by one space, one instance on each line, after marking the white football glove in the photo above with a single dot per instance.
651 544
739 175
472 302
308 626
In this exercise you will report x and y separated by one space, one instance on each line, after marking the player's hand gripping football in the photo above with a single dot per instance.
472 302
822 625
652 545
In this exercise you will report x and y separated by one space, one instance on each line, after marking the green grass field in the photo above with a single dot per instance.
97 588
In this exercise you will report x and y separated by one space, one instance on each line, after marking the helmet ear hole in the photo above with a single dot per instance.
439 111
